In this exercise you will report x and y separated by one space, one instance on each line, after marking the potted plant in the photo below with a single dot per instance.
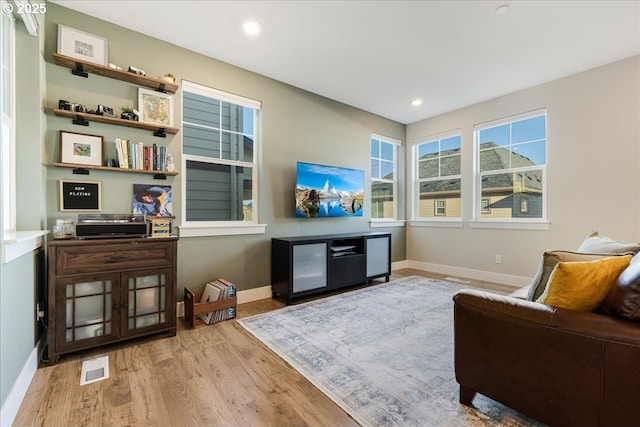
127 113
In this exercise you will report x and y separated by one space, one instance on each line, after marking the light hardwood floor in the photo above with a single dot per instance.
217 375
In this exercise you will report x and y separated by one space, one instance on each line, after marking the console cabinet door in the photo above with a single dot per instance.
87 312
378 256
309 266
147 295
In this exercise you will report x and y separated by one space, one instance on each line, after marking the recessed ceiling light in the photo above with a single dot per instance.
502 9
416 102
252 28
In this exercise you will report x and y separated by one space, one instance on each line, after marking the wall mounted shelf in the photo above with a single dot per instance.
83 119
83 68
84 170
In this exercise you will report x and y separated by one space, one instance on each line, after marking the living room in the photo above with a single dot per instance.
592 131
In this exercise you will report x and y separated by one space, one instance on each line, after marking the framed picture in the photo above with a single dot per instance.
80 196
155 107
80 148
152 200
80 45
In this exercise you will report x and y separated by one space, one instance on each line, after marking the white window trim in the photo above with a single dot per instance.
416 220
222 228
512 223
388 222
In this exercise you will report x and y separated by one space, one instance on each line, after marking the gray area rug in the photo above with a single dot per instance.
384 354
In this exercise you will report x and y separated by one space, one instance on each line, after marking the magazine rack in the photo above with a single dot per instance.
192 308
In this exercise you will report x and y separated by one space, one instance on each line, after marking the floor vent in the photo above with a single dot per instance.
94 370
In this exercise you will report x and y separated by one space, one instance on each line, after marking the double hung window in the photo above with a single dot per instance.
511 168
437 163
384 203
220 157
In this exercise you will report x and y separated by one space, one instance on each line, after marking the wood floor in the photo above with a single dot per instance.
217 375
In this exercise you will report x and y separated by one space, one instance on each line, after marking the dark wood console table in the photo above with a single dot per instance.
302 266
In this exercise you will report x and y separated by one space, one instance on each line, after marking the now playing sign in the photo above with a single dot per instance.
80 196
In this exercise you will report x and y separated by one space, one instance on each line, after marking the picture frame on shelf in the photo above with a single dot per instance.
81 148
152 200
84 46
155 107
80 196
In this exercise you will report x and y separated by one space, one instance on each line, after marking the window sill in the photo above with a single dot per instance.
511 225
440 223
380 223
20 243
221 230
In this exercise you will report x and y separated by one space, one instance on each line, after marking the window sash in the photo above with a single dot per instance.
7 113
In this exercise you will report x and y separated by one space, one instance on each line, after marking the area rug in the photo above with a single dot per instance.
383 353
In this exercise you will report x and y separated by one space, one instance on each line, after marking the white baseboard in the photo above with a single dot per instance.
488 276
19 389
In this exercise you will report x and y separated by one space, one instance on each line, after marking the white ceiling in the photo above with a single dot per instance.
380 55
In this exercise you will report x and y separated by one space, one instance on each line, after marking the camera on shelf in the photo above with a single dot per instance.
79 108
64 105
104 111
138 71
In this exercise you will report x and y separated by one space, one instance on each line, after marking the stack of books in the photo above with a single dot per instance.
216 290
135 155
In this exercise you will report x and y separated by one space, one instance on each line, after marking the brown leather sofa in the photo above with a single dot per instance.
561 367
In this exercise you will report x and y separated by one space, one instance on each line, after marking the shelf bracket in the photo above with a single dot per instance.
162 88
80 121
160 176
80 171
79 71
160 133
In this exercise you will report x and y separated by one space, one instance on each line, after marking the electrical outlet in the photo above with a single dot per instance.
498 259
39 311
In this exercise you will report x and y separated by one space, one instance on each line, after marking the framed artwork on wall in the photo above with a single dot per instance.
155 107
80 196
80 148
80 45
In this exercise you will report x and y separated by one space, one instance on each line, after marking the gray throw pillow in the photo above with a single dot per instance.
594 243
548 262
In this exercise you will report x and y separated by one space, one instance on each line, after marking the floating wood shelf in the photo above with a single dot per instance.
82 67
156 129
84 170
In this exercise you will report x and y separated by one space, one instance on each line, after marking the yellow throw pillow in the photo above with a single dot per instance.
582 286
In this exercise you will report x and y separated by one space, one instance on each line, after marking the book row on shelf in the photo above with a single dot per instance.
136 155
217 290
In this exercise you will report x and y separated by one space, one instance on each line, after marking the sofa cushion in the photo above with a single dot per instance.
623 299
596 244
549 260
582 286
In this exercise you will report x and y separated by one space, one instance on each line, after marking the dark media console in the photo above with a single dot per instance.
302 266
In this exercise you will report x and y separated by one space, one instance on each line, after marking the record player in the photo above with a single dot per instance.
96 226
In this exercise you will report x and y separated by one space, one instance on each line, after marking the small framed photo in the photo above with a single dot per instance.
80 148
80 196
80 45
155 107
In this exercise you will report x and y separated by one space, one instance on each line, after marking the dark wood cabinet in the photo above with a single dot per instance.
104 291
302 266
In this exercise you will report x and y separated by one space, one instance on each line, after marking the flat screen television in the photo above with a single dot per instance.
328 191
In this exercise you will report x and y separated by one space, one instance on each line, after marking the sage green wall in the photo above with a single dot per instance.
21 280
593 155
296 126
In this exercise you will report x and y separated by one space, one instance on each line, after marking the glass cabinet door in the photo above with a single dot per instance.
147 293
89 306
